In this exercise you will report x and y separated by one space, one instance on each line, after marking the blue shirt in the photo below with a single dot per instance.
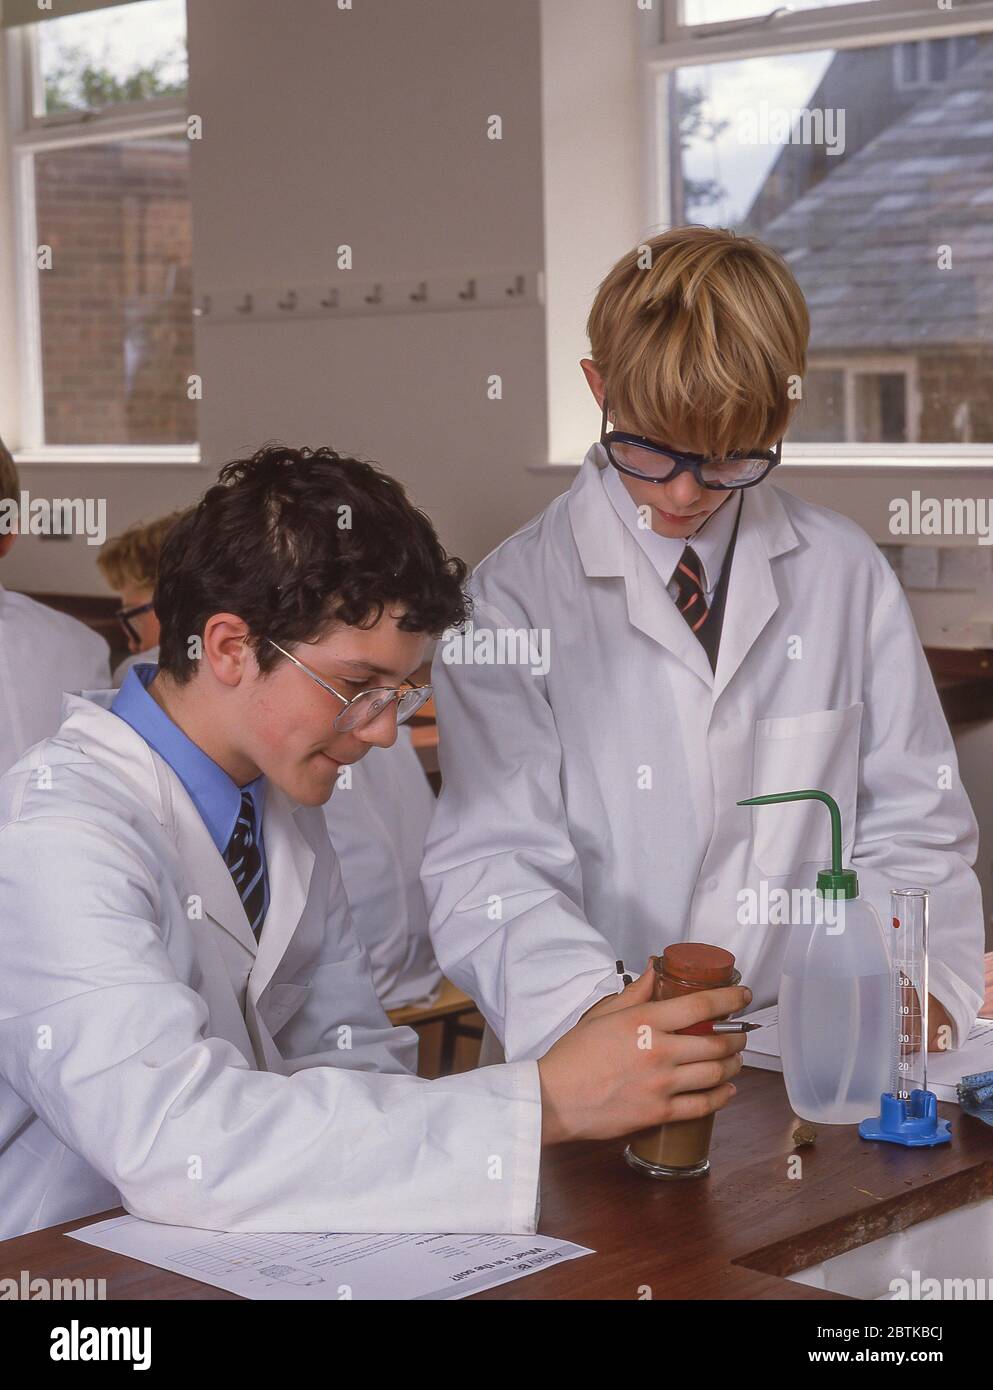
213 792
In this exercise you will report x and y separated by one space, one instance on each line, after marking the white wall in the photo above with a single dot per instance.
67 565
597 185
369 128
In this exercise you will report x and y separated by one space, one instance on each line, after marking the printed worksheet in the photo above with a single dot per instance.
332 1266
944 1069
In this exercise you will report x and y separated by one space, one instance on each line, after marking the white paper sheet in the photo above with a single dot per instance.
944 1069
332 1266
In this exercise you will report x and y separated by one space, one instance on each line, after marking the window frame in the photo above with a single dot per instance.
874 23
779 31
927 80
31 132
891 364
902 83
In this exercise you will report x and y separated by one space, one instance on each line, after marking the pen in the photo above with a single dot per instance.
705 1029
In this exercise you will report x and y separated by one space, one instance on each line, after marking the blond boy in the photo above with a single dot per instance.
129 563
706 637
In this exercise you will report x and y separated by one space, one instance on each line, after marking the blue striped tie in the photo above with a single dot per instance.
244 858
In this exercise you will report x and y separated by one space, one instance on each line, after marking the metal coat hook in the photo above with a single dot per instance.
386 297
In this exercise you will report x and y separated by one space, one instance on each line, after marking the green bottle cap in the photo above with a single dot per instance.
835 882
841 885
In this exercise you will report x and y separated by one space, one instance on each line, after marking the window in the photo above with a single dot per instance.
842 403
108 57
929 61
858 140
105 262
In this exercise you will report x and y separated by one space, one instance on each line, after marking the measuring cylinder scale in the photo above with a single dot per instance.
908 1111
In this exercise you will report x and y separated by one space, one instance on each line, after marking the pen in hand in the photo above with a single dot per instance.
705 1029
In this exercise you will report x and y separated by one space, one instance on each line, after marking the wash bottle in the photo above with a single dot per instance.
834 996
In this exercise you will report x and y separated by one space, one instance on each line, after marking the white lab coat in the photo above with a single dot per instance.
152 1053
589 814
43 653
377 827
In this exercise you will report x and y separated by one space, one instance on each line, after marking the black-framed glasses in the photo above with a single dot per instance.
368 705
124 616
639 457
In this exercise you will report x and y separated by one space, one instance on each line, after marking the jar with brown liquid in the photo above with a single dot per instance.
681 1148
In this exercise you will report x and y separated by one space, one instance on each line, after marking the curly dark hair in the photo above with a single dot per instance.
294 540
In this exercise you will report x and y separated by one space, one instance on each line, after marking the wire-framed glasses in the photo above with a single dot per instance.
361 709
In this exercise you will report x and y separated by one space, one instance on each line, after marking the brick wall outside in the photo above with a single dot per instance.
949 381
116 307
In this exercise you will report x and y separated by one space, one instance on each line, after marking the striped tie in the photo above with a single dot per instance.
690 598
244 858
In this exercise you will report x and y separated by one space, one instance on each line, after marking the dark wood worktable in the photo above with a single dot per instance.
734 1234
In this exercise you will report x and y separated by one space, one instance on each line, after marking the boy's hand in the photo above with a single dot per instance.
639 991
627 1069
937 1018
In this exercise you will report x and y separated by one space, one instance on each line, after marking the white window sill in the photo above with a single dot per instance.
111 456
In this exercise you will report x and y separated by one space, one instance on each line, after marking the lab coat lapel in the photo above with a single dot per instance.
764 531
606 549
89 724
209 876
655 614
290 865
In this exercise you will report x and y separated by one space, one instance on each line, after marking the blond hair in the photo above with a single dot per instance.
132 558
697 334
10 483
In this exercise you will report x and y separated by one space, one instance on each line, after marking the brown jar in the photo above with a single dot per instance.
681 1148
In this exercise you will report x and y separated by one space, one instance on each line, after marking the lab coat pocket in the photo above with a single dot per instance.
818 751
279 1003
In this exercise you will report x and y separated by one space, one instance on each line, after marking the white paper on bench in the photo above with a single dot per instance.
315 1266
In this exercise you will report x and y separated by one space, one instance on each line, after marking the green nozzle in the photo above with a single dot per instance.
835 882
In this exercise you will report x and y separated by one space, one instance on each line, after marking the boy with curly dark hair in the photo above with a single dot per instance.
188 1023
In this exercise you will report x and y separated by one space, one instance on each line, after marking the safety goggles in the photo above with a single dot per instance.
639 457
368 705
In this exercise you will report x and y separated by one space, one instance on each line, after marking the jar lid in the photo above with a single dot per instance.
694 960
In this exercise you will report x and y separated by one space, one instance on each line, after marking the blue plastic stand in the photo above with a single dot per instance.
913 1122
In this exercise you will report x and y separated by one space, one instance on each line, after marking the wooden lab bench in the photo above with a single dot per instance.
734 1234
